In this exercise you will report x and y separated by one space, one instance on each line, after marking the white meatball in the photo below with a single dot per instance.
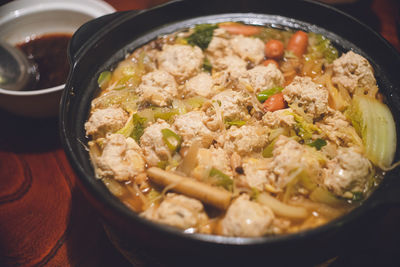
352 71
248 48
179 211
233 65
348 172
158 87
153 145
244 140
279 118
211 158
182 61
288 157
103 121
201 84
308 96
263 77
233 104
218 48
336 127
190 126
246 218
255 173
121 158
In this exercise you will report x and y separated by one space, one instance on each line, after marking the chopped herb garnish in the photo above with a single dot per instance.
103 79
221 179
207 65
171 139
318 143
165 113
236 123
264 95
254 193
303 128
267 152
322 48
202 35
139 126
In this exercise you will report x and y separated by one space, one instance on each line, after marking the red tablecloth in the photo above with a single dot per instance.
44 219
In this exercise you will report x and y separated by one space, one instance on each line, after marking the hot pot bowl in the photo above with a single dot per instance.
102 43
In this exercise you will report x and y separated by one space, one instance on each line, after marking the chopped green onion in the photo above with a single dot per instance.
148 114
264 95
132 78
128 128
289 55
134 127
318 143
195 102
165 113
179 106
306 181
104 79
221 179
168 164
357 196
267 152
324 196
254 193
181 41
173 163
130 73
171 139
328 50
139 126
152 197
207 65
126 99
301 179
321 47
236 123
304 129
162 164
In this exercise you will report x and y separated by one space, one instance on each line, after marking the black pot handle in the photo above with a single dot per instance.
89 30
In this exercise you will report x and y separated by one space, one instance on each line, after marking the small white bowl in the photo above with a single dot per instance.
22 20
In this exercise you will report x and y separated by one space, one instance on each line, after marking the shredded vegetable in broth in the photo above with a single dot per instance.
240 130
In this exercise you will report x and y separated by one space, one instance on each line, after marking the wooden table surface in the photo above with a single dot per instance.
44 218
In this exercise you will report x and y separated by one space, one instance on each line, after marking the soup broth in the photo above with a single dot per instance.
49 54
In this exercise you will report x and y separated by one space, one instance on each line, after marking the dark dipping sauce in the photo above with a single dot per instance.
49 53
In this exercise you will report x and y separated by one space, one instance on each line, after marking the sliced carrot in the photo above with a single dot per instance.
274 102
298 43
271 61
274 49
236 28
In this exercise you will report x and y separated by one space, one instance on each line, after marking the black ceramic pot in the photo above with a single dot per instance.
102 43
